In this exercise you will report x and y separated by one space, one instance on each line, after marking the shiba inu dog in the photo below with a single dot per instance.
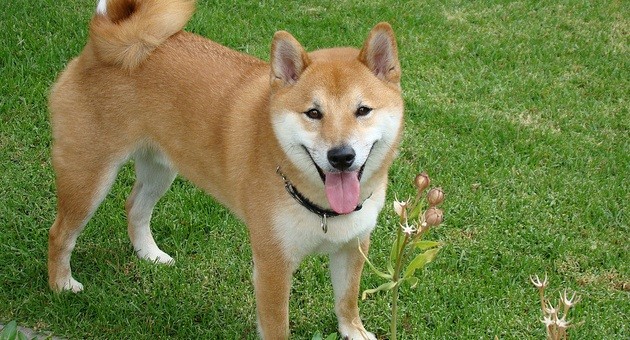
298 148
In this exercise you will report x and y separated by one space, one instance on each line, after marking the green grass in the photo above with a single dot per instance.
518 110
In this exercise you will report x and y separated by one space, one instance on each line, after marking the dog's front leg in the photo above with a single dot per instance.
345 270
272 284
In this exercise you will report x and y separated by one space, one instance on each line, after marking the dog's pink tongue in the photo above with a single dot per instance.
342 191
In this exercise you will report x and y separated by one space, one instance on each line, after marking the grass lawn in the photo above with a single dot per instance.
518 110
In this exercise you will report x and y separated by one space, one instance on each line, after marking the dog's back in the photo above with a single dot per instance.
141 80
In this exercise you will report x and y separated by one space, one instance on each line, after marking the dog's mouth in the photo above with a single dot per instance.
343 189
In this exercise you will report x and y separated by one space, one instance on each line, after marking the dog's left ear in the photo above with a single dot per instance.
380 53
288 59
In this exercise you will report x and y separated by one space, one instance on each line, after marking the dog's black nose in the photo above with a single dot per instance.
341 157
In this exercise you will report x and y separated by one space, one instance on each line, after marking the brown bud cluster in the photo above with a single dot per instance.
433 217
422 182
435 197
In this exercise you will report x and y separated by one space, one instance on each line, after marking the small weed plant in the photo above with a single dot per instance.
555 317
416 217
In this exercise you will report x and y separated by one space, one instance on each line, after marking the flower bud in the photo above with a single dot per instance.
433 217
435 196
400 207
422 182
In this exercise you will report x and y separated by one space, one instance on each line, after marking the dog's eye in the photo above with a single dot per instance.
313 114
363 111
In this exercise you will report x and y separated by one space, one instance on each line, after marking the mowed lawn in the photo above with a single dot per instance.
518 110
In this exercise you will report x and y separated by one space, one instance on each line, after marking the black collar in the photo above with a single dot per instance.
324 214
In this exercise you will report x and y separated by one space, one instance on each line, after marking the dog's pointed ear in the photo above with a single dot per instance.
288 59
380 53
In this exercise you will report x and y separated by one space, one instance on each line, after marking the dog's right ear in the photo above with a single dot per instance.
288 59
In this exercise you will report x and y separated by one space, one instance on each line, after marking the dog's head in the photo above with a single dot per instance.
337 113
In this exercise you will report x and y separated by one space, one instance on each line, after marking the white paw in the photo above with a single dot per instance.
71 285
155 256
353 333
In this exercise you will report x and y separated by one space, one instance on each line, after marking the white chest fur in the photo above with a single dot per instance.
301 233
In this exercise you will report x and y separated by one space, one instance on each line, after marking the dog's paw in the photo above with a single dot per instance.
155 256
354 333
69 285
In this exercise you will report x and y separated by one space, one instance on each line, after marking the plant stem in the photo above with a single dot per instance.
396 277
541 295
394 312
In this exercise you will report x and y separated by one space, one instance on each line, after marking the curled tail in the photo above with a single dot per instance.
125 32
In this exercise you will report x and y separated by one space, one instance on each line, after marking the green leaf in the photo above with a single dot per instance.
413 281
21 336
378 272
424 245
332 336
420 261
396 245
9 331
390 269
415 212
385 286
317 336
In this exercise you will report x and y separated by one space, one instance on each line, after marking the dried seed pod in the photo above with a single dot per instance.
435 197
422 182
433 217
539 284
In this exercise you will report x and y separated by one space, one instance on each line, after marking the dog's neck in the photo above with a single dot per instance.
323 213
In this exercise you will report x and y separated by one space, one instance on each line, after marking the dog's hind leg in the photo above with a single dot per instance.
82 182
153 177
